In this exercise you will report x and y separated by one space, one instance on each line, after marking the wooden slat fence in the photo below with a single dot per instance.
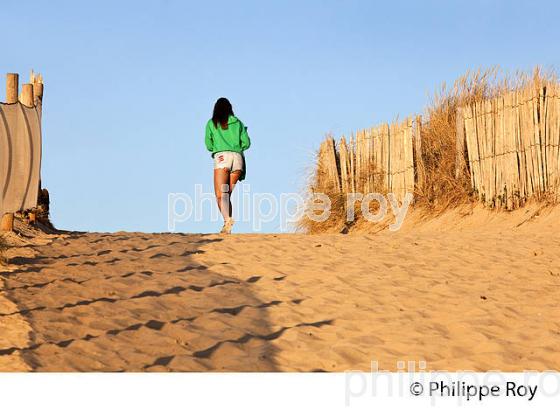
20 147
512 145
380 159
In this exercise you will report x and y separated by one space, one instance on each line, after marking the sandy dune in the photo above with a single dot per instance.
481 297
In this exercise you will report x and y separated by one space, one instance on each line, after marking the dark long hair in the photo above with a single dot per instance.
222 111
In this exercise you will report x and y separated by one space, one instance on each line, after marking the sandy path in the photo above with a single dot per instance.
130 301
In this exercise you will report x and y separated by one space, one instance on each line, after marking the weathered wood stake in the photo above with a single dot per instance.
7 223
38 92
26 97
420 171
12 88
460 164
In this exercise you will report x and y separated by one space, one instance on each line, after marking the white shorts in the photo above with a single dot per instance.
232 161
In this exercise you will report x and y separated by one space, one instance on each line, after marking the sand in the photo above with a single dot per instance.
456 294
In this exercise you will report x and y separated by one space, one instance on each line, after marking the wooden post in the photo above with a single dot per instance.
352 164
26 97
38 92
37 81
12 88
420 171
460 143
7 223
343 154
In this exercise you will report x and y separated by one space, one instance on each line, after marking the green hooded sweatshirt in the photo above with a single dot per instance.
235 138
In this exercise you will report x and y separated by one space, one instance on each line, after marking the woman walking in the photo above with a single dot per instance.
226 138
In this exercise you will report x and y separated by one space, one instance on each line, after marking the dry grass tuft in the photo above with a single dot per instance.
441 188
321 183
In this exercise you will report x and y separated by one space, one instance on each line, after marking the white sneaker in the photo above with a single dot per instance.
228 225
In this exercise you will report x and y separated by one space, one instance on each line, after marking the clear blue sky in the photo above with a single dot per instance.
131 84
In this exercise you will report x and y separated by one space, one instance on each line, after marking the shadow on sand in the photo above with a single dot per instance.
133 302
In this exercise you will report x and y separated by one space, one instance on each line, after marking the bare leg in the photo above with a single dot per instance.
222 190
233 178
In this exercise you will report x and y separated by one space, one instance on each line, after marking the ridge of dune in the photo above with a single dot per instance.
459 292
